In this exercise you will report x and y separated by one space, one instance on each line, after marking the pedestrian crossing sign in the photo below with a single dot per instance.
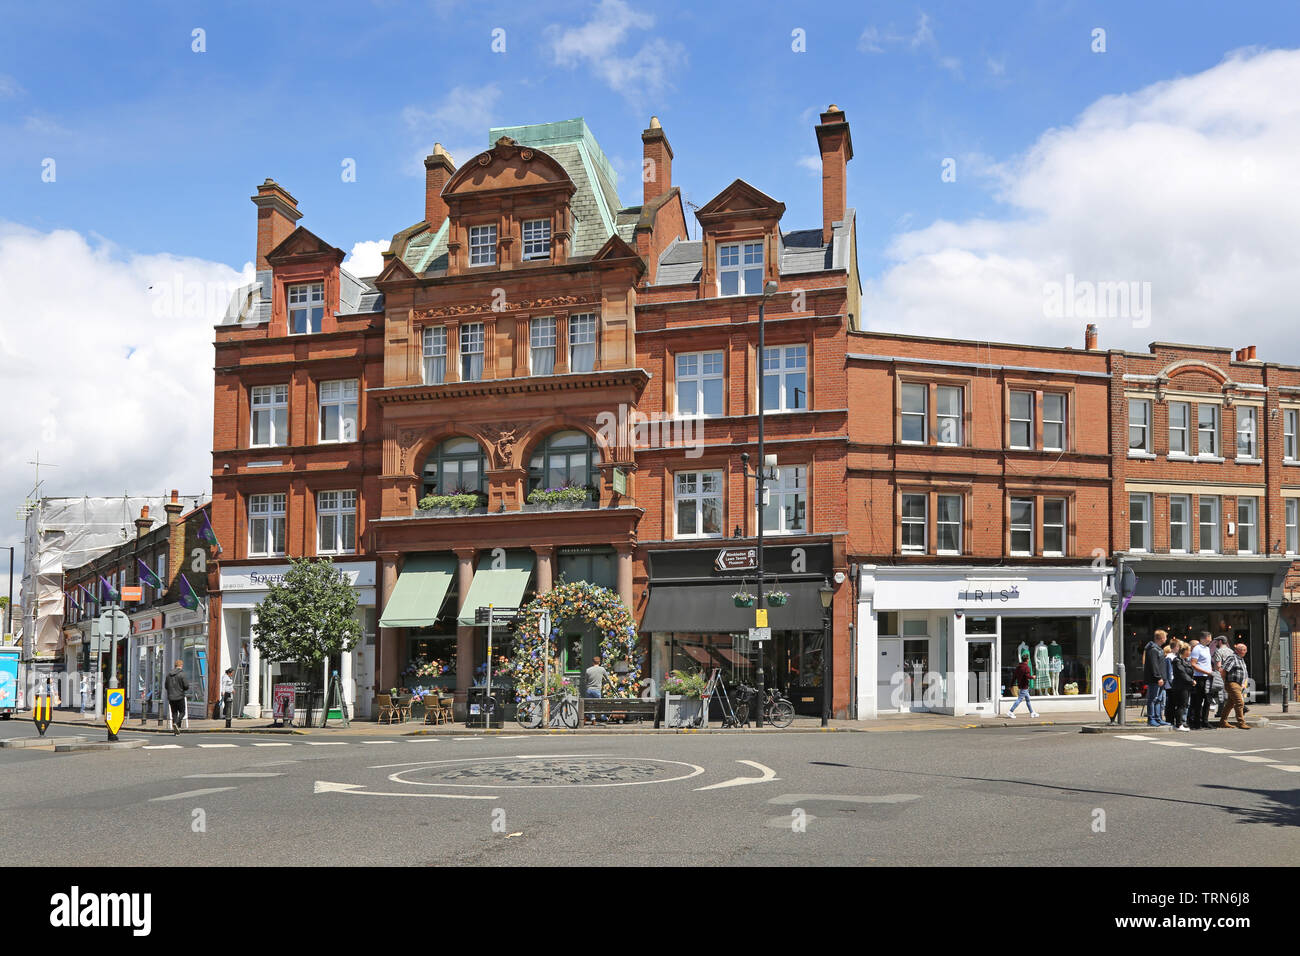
115 710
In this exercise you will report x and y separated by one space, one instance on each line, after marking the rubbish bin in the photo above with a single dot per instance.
476 712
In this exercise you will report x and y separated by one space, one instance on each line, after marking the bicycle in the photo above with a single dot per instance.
777 710
564 711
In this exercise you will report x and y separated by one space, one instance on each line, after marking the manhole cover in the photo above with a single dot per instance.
547 772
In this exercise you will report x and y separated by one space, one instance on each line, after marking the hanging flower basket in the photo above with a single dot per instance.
743 599
778 598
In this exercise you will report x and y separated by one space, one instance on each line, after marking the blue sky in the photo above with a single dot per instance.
158 147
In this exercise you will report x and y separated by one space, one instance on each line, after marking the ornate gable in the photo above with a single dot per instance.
303 244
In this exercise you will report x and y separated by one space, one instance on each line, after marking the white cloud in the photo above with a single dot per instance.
366 258
920 39
642 76
108 380
812 163
463 116
1188 185
996 67
9 87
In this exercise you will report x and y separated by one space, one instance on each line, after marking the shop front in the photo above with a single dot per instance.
693 622
243 588
1237 598
948 639
147 666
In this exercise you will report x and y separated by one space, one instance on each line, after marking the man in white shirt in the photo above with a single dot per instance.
1203 664
227 691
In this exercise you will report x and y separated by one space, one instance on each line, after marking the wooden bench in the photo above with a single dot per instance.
618 709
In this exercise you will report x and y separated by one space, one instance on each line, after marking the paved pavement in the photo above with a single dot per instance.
1034 795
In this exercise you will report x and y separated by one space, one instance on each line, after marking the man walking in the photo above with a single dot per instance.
1222 654
1198 716
177 687
1234 676
596 677
1153 672
1022 679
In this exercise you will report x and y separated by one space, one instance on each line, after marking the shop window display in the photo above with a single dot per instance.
1060 654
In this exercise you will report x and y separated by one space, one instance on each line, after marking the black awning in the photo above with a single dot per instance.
710 609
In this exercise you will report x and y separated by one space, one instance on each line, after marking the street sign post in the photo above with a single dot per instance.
113 626
115 711
544 632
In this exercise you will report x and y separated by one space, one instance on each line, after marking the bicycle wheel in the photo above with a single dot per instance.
781 714
529 714
742 714
569 713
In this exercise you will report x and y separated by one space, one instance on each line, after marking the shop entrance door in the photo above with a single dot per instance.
979 670
889 676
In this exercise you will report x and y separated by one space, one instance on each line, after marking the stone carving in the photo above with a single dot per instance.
503 441
406 440
543 302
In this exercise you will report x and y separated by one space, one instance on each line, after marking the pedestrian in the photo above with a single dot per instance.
1022 678
1171 654
1234 677
1183 681
85 692
1222 653
177 687
1203 670
1153 672
595 677
227 691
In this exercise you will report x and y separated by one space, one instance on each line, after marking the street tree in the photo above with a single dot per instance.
309 617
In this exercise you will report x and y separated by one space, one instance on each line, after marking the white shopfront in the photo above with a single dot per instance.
244 588
948 639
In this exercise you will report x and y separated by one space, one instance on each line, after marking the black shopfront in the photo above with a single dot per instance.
1238 599
692 621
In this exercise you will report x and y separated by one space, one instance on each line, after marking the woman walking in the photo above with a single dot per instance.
1184 681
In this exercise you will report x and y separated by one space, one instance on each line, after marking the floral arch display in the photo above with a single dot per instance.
601 608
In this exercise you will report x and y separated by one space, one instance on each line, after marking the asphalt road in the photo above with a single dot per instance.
1027 796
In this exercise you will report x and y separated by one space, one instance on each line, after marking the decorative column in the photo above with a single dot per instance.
545 567
624 552
253 706
464 635
386 639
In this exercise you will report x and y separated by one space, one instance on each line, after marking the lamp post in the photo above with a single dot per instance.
827 594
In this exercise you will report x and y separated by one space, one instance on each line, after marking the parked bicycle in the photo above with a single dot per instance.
564 711
777 710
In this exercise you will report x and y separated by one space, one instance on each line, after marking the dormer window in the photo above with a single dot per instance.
483 245
306 307
537 239
740 268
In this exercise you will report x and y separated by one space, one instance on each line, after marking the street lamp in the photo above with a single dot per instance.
827 594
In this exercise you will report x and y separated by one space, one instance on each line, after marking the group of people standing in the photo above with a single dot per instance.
1184 679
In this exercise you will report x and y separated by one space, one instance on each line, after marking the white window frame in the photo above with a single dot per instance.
1247 525
906 521
472 339
1290 427
1214 432
536 235
541 339
1145 523
1216 525
698 494
1183 431
941 418
693 370
336 522
1144 426
906 414
783 362
1014 421
748 259
1248 427
584 333
788 489
483 245
271 401
162 572
1185 524
339 395
1020 528
1049 423
306 297
433 343
266 511
1063 525
940 523
1291 508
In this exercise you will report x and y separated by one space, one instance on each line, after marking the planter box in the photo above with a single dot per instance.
682 711
448 512
741 602
558 505
774 601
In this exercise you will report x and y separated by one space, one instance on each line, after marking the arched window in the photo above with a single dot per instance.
568 458
455 467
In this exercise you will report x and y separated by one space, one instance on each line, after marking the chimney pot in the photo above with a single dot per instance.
175 495
1090 337
1252 353
144 512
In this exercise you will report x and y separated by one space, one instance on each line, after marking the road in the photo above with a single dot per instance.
1019 795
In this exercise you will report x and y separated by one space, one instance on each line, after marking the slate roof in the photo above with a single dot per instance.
251 305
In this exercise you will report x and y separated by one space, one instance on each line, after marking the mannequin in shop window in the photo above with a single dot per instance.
1042 673
1055 664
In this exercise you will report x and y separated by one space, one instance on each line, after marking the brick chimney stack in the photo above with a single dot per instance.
836 147
438 168
143 523
1090 337
657 162
175 541
277 213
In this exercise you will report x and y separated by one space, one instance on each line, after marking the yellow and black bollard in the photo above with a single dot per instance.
42 713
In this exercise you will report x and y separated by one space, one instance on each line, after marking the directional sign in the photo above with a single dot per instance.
1110 695
113 626
736 559
132 593
500 615
115 710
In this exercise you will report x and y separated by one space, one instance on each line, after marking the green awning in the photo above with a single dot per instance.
500 588
420 590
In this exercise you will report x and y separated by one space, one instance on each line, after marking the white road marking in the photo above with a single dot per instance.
1250 759
162 747
224 776
272 745
768 774
355 789
1289 768
214 746
379 741
326 743
1216 750
792 799
1133 737
1169 743
192 793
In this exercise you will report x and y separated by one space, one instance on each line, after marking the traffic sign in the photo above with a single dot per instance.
760 634
115 711
500 615
133 593
736 559
113 626
760 617
1110 695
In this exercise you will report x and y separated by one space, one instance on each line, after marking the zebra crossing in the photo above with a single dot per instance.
402 741
1252 756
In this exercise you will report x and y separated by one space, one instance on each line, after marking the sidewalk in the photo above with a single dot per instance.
886 723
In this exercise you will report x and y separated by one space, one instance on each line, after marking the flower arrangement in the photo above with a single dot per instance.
421 666
777 598
456 502
599 607
547 496
743 598
683 684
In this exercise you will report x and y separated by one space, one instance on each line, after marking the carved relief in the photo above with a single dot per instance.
503 441
543 302
406 440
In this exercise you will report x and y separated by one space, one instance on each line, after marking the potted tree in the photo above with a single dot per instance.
683 698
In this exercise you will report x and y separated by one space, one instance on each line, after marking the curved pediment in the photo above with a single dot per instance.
507 165
1194 367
